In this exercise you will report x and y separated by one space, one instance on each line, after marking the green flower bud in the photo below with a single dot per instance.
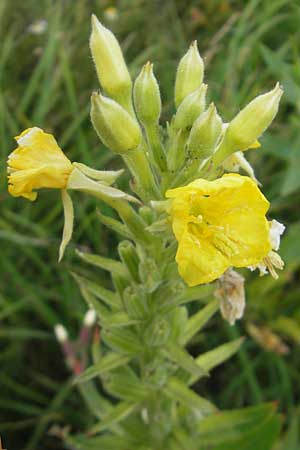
176 153
135 304
253 120
147 214
130 259
114 126
190 108
157 332
204 134
150 274
120 283
110 65
189 75
147 99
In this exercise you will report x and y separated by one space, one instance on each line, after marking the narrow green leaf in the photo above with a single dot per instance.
107 296
217 356
126 387
101 310
119 320
123 340
119 413
108 362
97 404
178 391
261 438
232 425
184 360
105 441
198 320
104 263
115 225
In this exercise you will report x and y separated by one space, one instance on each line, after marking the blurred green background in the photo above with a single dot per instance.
46 77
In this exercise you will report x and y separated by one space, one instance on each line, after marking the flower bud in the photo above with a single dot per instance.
190 108
114 126
135 304
110 65
146 93
204 134
176 154
253 120
130 259
189 75
157 332
147 214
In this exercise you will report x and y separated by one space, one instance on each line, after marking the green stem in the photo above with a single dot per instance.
139 166
133 221
157 150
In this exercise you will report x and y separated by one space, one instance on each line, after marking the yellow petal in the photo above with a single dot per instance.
37 163
218 224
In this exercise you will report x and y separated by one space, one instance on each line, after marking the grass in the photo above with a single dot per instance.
46 80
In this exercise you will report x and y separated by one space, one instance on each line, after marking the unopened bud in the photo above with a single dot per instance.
147 99
253 120
176 153
157 333
190 108
189 75
90 318
204 134
135 304
130 259
114 126
110 65
61 333
147 214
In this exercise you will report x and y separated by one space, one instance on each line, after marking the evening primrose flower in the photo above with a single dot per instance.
37 163
218 224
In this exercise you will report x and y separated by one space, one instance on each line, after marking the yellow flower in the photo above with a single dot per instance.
37 163
218 224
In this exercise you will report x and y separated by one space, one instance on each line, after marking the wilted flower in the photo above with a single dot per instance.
37 163
218 224
231 294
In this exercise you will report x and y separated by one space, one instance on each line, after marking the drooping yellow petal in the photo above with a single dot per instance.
37 163
69 222
218 224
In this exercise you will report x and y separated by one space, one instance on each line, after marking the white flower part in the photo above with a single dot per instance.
90 318
261 267
61 333
276 230
38 27
272 261
238 161
231 294
27 138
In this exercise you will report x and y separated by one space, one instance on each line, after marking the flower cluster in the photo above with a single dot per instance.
218 223
190 219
